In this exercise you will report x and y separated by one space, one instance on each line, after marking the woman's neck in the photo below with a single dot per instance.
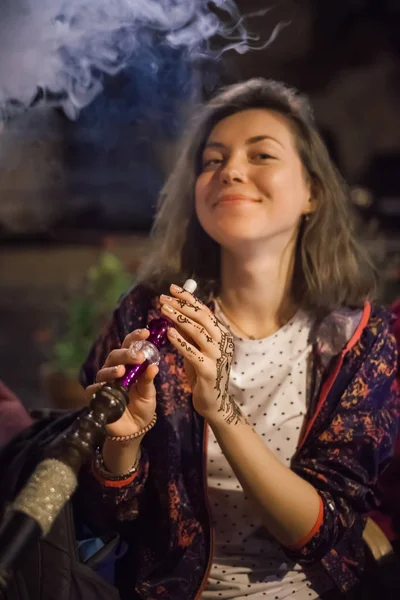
255 293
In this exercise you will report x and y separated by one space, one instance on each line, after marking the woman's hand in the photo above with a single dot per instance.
142 396
207 347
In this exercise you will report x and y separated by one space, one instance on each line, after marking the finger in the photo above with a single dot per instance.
145 384
144 392
198 313
108 374
92 389
134 336
189 351
182 294
191 331
124 356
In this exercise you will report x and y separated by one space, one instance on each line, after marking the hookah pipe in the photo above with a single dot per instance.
33 512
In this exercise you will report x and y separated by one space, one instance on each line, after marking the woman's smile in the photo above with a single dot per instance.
224 199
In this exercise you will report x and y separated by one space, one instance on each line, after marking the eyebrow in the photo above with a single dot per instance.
252 140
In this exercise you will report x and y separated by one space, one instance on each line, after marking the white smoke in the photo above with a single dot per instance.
60 50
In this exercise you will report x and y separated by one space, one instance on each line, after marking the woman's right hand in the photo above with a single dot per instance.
142 395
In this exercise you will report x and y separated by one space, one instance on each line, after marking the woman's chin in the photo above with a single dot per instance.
231 236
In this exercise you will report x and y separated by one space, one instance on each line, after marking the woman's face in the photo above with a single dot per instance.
252 187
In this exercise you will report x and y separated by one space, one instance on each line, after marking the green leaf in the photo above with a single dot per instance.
87 310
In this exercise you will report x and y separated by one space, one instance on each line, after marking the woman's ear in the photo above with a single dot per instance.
311 206
312 202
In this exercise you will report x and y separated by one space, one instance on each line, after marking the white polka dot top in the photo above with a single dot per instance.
268 380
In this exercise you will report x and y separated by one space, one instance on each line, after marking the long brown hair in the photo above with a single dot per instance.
331 267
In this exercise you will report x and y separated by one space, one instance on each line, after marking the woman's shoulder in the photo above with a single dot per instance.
374 330
380 322
353 328
371 319
379 341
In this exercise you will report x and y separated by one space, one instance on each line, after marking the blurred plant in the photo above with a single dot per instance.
87 311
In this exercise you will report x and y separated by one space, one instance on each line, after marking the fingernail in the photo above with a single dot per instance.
176 288
115 369
172 333
165 298
168 308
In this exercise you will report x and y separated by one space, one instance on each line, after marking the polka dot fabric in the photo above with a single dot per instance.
268 379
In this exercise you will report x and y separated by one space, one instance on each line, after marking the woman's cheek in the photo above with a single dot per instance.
199 190
202 182
202 193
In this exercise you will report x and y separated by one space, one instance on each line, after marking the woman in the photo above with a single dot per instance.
276 400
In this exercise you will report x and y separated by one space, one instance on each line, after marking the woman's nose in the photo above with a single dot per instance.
230 174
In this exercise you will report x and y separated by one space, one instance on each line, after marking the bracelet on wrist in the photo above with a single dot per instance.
105 474
133 436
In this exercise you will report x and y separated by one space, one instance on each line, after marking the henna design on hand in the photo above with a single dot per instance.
233 414
186 346
188 349
226 347
208 337
199 302
183 303
182 319
216 321
228 405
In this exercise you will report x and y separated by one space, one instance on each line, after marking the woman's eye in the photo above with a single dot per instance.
211 161
263 156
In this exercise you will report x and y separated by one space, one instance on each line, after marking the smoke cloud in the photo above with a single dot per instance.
60 51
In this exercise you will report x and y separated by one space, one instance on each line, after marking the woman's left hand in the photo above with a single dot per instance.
207 347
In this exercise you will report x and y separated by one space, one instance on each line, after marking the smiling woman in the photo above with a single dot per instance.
246 462
261 135
265 367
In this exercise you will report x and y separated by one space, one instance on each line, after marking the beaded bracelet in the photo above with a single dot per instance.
103 472
133 436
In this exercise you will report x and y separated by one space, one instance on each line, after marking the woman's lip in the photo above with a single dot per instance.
235 198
